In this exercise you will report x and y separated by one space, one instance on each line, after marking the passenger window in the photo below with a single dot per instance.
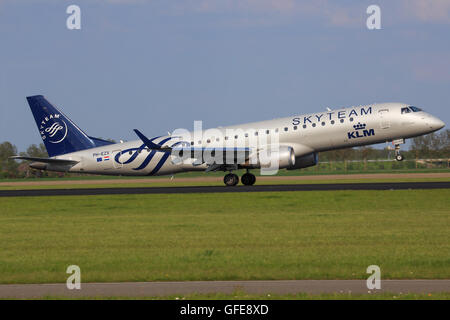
313 125
285 129
295 127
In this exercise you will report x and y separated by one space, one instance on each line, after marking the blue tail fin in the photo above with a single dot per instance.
59 133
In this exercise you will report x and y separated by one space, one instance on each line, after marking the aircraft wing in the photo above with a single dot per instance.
211 156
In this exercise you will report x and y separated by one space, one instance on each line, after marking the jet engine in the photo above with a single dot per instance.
282 157
305 161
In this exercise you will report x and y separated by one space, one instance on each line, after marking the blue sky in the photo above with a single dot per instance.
160 65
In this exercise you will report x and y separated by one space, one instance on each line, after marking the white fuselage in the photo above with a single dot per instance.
305 134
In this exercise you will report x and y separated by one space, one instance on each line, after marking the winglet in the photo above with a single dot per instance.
147 142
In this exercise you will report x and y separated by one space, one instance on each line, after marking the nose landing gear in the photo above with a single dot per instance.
397 144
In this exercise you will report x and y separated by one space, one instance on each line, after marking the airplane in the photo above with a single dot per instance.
287 143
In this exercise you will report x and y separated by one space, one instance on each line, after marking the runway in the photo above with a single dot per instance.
153 289
223 189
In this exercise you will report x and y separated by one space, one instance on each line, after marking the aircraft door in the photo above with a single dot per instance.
384 119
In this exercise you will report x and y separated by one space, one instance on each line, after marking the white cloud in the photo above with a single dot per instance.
431 66
330 11
435 11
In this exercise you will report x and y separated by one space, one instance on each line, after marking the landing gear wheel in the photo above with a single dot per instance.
399 157
248 179
231 180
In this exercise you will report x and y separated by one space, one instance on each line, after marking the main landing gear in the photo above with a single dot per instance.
232 179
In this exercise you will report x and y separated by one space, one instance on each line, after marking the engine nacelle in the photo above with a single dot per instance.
305 161
280 158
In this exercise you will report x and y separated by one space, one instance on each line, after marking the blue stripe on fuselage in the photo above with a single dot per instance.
146 161
151 155
160 163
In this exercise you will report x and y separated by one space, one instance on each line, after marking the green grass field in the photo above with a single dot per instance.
286 235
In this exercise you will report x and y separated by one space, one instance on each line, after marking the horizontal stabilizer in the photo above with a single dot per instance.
100 142
46 160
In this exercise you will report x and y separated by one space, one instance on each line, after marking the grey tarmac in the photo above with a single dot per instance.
154 289
223 189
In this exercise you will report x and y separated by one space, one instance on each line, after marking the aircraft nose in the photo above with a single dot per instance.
436 123
439 124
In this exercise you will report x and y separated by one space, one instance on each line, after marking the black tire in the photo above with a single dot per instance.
245 179
399 157
236 179
253 179
231 180
248 179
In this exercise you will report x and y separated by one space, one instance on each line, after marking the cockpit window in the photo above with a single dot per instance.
405 110
415 109
410 109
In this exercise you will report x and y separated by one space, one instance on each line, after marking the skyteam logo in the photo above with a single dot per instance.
53 128
360 131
